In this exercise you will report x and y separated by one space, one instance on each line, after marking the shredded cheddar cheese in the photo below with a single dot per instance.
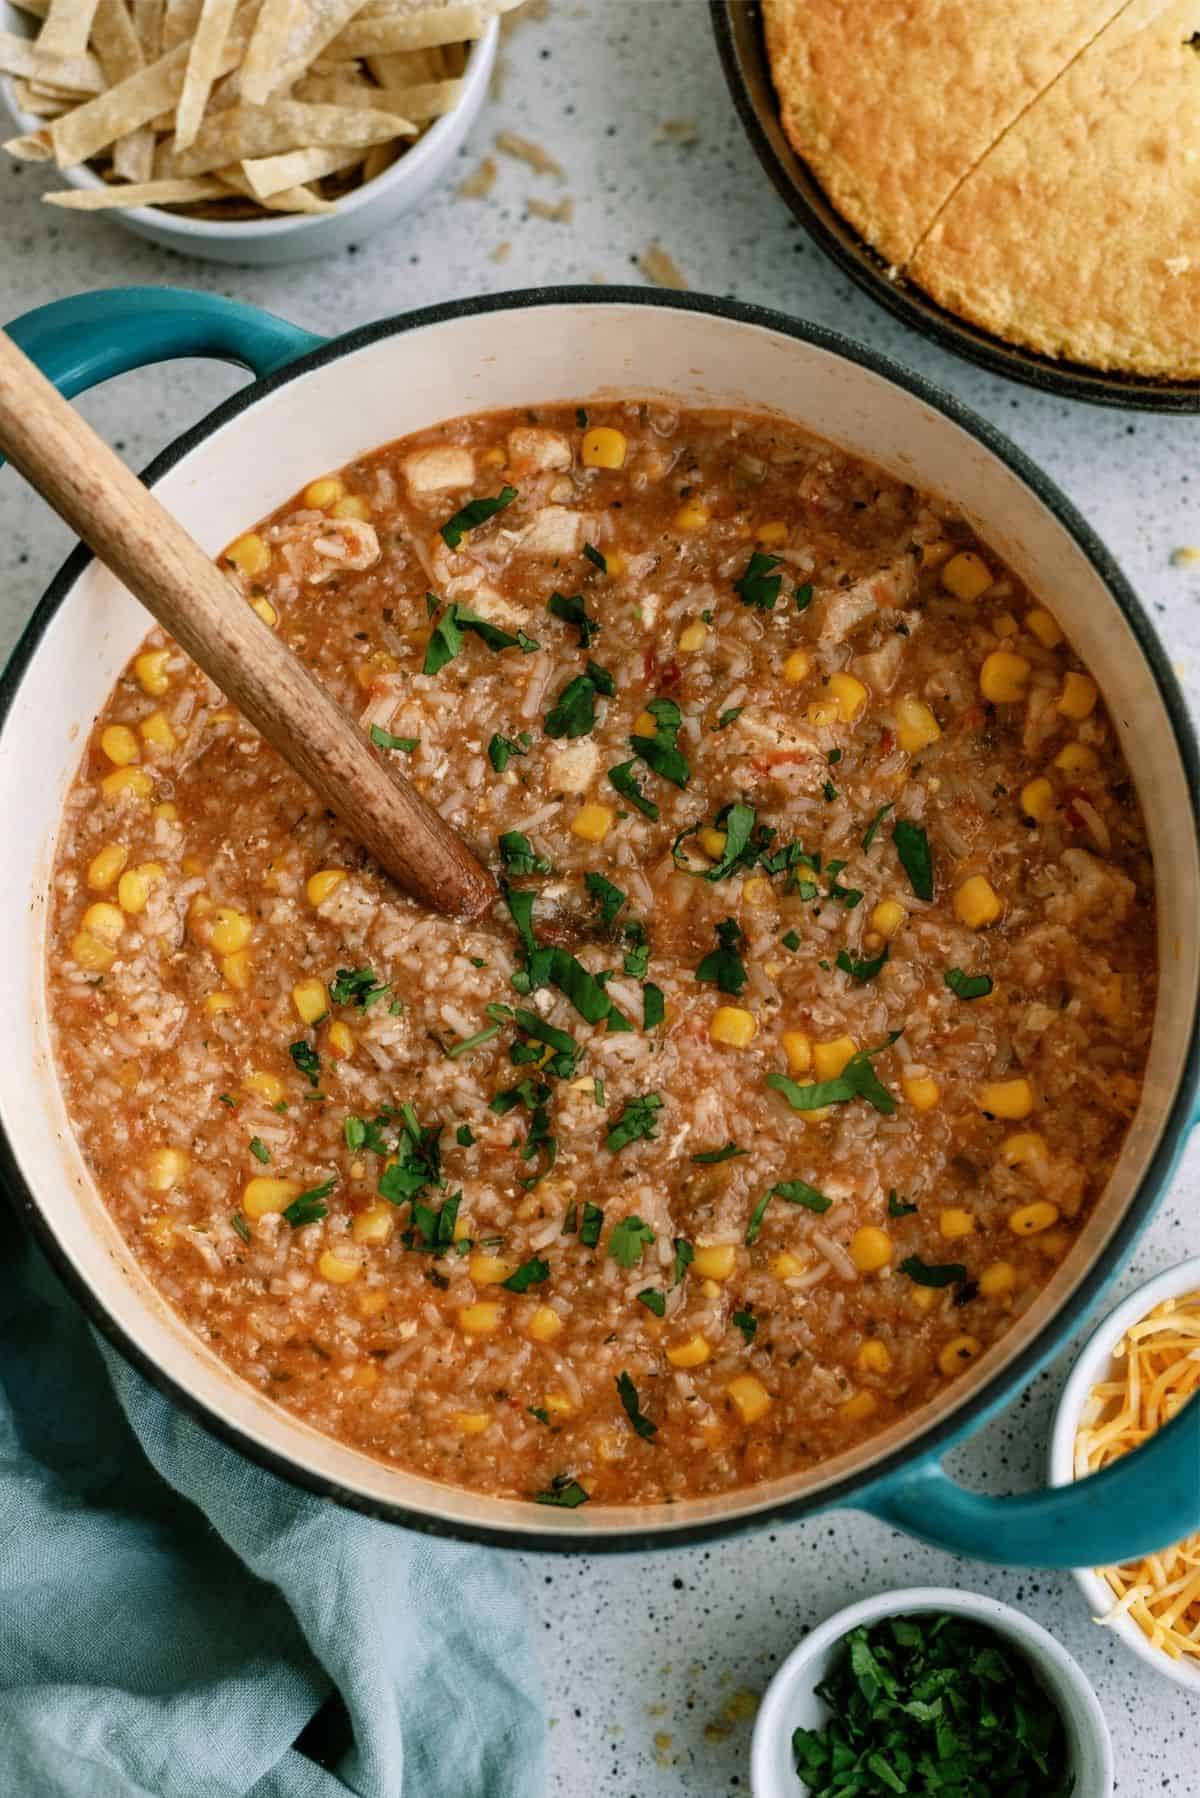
1156 1370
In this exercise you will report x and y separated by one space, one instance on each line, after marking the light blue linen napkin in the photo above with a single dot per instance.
172 1617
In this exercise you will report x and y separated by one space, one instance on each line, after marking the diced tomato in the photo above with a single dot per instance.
670 675
1074 818
887 741
778 759
649 663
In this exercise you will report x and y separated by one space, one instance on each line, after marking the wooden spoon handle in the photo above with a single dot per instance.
151 553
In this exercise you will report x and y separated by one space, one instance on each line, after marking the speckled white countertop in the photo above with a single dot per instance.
643 1655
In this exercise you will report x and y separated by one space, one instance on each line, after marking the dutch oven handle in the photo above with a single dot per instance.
91 337
1140 1503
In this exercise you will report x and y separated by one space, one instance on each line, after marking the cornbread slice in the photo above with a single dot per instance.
1079 232
892 103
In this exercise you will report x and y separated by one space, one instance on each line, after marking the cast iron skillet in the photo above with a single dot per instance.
740 42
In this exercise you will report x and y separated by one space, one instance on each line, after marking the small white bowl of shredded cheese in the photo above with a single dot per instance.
1139 1368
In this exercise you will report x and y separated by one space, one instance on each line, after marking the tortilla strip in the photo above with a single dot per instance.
216 20
1076 234
290 199
315 27
68 27
180 18
143 193
120 53
425 100
40 105
462 21
148 23
258 131
33 147
18 56
892 105
266 52
132 103
407 67
270 175
37 9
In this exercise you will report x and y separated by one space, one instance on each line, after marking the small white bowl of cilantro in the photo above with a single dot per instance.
930 1691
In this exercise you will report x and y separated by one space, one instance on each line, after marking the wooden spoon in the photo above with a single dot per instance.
151 553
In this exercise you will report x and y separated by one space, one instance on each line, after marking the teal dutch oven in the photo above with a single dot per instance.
315 404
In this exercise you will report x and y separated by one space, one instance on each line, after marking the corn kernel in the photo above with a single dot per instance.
267 1087
231 930
935 553
1053 1244
489 1270
1006 1098
105 865
341 1040
644 724
480 1319
133 888
193 867
916 726
156 730
733 1026
797 1046
1078 697
716 1262
104 921
266 1193
870 1248
494 457
353 506
954 1222
692 517
544 1325
249 554
592 822
693 636
822 714
757 891
830 1058
120 745
849 695
966 575
1109 998
693 1352
920 1089
874 1356
127 780
339 1270
858 1407
375 1224
365 1375
773 532
371 1302
603 447
165 1168
976 903
310 999
168 812
1077 758
318 887
462 1226
797 667
997 1278
1023 1149
1005 625
616 563
235 969
265 610
1044 626
750 1396
1031 1220
712 842
162 1234
151 671
957 1353
221 1001
1037 800
324 493
924 1298
1004 677
559 1403
471 1423
786 1266
887 918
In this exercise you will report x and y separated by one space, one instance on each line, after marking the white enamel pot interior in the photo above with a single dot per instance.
405 374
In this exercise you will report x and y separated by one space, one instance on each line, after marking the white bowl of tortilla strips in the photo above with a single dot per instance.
240 132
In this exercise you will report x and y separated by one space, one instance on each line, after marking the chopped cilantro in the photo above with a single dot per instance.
383 739
445 641
595 557
724 965
654 1300
611 898
240 1225
795 1192
711 1157
417 1161
542 1415
923 1273
660 751
803 596
759 586
654 1006
530 1273
573 713
627 1393
912 846
790 940
581 417
309 1207
501 749
475 512
464 1136
636 961
356 986
685 1254
591 1225
518 855
968 986
627 1239
834 757
829 791
862 971
738 825
858 1080
467 1043
898 1207
564 1491
626 784
432 1231
636 1122
872 828
572 610
259 1149
584 991
729 716
307 1061
746 1322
